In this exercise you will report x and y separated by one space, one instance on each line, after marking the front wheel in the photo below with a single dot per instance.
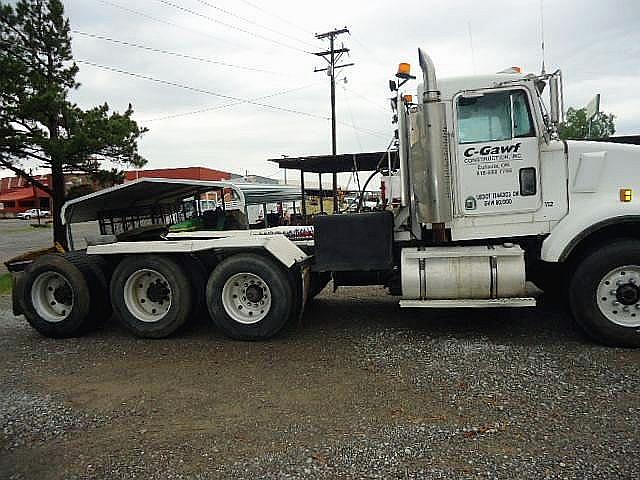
249 297
605 294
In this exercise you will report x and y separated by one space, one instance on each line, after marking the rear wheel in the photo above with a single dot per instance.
151 295
249 297
63 295
605 294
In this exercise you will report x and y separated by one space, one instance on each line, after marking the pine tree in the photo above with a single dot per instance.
39 125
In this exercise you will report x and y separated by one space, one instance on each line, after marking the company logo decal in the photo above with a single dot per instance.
489 150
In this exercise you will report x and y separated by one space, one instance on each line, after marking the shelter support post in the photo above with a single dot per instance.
321 193
303 207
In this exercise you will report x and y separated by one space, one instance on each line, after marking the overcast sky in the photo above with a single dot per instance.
596 43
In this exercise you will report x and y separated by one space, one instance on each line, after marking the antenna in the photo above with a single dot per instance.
542 32
473 57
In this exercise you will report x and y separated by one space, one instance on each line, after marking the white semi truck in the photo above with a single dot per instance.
484 199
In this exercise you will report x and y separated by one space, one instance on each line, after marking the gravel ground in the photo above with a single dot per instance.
359 390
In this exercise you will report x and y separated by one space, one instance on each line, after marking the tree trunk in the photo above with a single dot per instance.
57 181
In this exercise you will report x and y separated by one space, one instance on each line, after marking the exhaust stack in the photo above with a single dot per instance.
430 154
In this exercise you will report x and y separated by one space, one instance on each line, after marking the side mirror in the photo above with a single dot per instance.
392 85
554 94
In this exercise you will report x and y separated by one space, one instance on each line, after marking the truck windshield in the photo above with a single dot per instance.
494 117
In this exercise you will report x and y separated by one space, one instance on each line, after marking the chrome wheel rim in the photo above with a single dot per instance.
246 298
52 297
148 295
618 296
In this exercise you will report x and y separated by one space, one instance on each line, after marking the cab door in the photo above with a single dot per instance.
497 153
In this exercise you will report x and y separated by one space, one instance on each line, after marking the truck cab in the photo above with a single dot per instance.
481 163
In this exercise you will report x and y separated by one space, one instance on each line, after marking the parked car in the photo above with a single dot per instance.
33 213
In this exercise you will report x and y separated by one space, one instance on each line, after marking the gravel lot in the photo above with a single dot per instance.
359 390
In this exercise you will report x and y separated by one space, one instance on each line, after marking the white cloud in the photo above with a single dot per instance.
595 43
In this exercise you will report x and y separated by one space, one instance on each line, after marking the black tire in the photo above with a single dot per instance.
584 299
280 292
82 282
177 283
97 271
318 281
198 276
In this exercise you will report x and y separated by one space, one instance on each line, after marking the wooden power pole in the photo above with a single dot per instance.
332 56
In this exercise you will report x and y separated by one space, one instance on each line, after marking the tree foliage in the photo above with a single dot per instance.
39 124
576 125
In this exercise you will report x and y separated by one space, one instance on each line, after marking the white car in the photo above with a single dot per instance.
33 213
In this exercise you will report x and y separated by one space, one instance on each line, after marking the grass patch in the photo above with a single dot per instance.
5 283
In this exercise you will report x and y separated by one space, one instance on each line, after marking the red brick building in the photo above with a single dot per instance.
16 195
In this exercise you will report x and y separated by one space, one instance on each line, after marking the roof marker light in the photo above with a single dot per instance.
404 69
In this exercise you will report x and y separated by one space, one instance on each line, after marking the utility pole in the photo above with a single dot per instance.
333 56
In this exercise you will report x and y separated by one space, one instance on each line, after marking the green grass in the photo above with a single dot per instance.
5 283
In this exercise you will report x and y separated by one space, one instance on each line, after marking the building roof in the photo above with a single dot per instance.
23 193
187 173
345 162
8 184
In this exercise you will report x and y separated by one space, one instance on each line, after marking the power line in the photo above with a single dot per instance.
236 100
226 105
175 54
200 90
233 27
282 19
371 53
355 132
228 97
160 20
244 19
366 99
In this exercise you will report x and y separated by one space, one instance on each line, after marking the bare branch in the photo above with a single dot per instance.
29 178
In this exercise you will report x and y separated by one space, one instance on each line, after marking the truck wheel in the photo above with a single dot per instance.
249 297
58 295
151 295
605 294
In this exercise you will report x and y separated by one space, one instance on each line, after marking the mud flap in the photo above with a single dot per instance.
17 280
300 278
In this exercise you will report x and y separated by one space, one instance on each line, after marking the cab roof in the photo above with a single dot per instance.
449 87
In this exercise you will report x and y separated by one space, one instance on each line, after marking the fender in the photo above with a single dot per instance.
279 246
566 236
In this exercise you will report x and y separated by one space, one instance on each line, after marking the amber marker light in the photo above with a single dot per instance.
626 195
404 69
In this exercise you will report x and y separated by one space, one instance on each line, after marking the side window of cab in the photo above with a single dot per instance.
494 117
